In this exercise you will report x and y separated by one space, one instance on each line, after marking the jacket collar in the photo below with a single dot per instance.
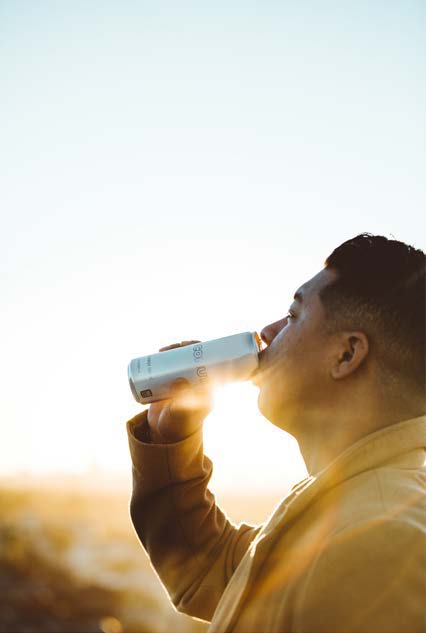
404 439
407 438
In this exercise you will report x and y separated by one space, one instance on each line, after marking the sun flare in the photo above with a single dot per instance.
247 451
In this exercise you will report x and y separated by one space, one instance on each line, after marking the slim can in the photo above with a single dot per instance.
221 360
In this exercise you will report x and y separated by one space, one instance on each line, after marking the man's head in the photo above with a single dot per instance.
355 330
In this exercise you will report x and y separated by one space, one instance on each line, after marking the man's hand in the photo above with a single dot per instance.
175 419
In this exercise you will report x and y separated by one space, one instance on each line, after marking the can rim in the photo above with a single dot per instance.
132 384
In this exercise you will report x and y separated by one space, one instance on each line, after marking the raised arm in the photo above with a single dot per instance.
191 543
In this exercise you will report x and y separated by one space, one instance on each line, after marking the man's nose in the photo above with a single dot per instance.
270 331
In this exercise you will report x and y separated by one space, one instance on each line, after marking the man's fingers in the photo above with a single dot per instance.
179 385
175 345
182 414
190 401
163 349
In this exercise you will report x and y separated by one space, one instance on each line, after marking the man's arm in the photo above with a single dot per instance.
193 546
369 579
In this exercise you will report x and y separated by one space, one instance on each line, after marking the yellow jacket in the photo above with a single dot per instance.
344 552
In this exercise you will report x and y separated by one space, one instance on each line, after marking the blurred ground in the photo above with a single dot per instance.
70 562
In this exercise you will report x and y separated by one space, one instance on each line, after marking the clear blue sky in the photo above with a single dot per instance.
172 172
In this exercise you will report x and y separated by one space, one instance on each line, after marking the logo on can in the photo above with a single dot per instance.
202 373
197 352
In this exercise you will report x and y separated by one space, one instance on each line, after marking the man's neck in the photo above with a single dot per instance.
318 451
321 442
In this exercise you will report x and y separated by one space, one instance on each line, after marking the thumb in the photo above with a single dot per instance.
188 401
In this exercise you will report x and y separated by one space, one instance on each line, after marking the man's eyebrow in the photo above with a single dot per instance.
298 296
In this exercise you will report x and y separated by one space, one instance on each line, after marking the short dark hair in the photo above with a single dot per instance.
380 289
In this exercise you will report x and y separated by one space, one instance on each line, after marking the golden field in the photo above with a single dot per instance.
70 561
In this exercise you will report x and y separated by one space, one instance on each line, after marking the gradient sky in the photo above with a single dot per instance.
176 172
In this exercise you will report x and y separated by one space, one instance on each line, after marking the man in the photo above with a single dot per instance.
344 373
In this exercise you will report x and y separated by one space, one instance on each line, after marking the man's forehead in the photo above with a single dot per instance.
313 286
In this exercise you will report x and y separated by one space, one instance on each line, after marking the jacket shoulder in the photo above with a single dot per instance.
369 577
380 495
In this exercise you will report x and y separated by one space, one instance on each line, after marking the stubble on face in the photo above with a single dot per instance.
293 378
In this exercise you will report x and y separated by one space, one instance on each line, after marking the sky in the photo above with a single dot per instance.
173 171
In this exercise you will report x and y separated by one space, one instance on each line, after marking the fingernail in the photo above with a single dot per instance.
179 383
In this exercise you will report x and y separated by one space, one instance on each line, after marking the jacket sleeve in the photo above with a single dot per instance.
368 579
191 543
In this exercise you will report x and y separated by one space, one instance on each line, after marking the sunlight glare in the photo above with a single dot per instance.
248 452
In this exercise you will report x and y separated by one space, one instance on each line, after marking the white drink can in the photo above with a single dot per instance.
221 360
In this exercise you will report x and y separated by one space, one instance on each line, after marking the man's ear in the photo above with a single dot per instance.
351 351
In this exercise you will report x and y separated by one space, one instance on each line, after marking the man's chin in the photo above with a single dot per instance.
267 406
276 412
